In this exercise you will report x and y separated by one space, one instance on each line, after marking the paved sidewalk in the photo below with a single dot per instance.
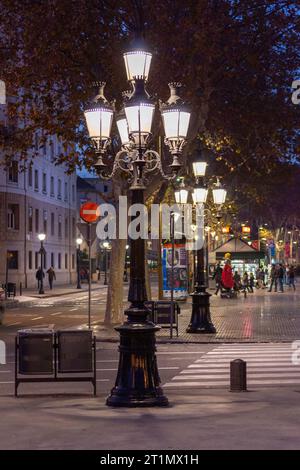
261 317
214 419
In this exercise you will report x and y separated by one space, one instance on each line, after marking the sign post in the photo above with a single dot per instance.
89 212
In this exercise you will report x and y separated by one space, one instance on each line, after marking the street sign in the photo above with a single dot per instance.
89 212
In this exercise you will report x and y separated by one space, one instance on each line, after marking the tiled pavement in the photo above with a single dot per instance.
261 317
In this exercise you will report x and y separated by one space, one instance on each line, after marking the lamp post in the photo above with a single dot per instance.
42 238
200 321
106 246
78 252
137 382
125 273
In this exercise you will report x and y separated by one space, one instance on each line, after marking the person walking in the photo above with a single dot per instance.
292 277
217 276
273 278
39 275
51 276
281 273
246 282
251 282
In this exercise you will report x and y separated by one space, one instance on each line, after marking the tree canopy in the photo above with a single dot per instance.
236 58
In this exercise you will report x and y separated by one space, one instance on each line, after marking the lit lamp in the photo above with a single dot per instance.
42 237
181 196
199 168
176 119
99 115
78 242
137 61
123 128
139 111
106 246
199 195
219 194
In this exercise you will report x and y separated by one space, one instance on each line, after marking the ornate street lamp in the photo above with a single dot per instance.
138 382
78 242
201 319
42 237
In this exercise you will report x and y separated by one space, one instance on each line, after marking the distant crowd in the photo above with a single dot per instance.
230 282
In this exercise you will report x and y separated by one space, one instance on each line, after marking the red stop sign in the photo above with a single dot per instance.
89 212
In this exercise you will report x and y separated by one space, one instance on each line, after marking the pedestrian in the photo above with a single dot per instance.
246 282
273 278
251 282
227 276
217 276
281 273
292 277
237 281
51 276
258 278
39 275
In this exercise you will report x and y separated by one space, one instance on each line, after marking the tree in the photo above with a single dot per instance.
236 58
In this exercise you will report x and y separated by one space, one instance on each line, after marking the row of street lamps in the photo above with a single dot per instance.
138 382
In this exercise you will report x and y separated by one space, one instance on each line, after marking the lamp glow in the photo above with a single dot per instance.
199 168
181 196
199 195
137 61
42 236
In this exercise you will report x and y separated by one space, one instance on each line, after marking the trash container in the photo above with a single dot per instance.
36 351
11 289
75 351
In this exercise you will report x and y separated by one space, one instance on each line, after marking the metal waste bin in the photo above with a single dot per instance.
75 351
35 351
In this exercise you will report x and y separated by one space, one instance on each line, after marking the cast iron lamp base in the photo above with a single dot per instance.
137 383
200 319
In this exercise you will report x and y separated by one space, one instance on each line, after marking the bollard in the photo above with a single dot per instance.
238 376
20 288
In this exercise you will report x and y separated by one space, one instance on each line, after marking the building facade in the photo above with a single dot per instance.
40 198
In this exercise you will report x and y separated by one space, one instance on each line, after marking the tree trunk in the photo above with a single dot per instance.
114 302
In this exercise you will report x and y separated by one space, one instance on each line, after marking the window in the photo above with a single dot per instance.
12 259
36 180
52 224
105 188
66 191
45 183
52 150
30 176
52 186
13 172
36 260
30 219
29 259
59 226
73 192
45 216
13 216
59 189
52 260
66 227
66 261
73 261
59 260
45 148
37 221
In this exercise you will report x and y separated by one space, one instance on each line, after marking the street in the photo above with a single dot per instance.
195 376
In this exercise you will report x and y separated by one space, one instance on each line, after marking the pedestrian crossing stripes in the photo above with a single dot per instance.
267 365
